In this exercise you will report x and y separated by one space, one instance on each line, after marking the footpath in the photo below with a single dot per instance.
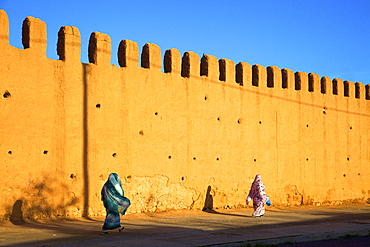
224 227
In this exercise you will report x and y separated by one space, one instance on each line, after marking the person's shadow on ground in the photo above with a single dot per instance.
208 204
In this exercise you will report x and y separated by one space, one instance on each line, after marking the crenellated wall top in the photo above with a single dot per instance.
189 65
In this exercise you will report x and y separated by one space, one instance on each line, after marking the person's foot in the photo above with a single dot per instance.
256 216
121 228
103 233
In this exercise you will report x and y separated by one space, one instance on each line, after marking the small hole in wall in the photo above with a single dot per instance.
72 176
194 158
6 94
348 159
114 154
350 127
344 175
141 132
205 97
45 151
218 119
155 113
169 157
260 122
239 121
324 110
128 177
306 159
359 174
254 160
97 106
306 125
10 152
182 178
217 158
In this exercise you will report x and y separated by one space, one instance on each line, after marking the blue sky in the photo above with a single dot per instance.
327 37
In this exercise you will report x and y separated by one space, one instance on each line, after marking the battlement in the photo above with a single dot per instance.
189 65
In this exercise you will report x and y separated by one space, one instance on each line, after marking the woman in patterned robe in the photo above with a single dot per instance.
257 193
114 202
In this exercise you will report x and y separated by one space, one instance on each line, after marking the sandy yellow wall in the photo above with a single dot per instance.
172 126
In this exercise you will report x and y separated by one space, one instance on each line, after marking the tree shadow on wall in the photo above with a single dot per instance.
42 200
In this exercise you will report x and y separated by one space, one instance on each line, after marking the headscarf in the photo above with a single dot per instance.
116 181
257 190
113 195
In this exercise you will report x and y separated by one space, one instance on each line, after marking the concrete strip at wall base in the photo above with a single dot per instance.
198 132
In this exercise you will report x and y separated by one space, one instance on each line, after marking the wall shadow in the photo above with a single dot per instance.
85 165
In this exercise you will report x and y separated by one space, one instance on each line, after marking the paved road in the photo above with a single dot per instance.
359 241
227 227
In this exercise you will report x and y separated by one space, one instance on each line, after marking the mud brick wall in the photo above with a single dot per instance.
172 125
